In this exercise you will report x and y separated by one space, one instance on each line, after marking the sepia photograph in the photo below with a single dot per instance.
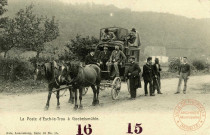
104 67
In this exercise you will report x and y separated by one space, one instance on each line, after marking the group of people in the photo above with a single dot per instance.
132 38
151 76
151 72
106 59
108 35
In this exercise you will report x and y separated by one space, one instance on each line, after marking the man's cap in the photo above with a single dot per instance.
132 57
133 29
149 58
156 59
106 30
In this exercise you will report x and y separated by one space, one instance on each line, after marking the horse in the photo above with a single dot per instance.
84 76
51 72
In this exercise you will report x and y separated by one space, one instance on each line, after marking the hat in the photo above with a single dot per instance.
149 58
133 29
106 30
132 57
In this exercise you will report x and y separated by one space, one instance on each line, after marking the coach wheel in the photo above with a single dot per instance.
84 91
116 86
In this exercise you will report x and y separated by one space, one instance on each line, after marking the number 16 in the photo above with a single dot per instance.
87 130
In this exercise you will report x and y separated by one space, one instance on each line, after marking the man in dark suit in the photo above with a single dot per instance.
104 58
148 74
90 58
133 74
156 79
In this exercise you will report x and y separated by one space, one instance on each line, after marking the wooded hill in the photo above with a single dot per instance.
156 29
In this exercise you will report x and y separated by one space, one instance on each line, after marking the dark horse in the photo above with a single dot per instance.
89 75
51 72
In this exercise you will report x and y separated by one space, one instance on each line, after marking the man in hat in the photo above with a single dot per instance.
117 58
90 58
133 38
156 79
108 35
104 57
148 75
133 74
184 73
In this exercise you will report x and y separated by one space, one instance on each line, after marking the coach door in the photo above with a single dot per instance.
136 53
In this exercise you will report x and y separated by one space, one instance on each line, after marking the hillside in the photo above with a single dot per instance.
156 29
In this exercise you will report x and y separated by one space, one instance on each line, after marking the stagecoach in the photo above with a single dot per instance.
109 80
58 75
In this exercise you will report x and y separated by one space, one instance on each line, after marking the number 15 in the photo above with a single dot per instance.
138 129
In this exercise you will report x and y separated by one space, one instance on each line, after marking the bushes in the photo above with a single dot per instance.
174 64
34 61
80 46
15 69
199 64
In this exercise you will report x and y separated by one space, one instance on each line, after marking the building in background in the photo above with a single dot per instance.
156 52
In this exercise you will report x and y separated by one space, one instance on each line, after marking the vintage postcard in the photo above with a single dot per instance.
104 67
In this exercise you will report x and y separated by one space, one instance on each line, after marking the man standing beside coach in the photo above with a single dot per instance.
133 74
156 78
148 74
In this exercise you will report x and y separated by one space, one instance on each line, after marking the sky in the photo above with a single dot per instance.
187 8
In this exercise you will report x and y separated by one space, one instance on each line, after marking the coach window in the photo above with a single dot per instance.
135 53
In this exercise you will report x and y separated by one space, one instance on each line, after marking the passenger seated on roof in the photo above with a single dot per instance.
104 58
133 38
108 35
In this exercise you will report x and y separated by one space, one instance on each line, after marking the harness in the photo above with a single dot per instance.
73 81
83 79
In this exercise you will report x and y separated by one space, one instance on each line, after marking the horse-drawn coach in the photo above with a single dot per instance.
122 38
98 78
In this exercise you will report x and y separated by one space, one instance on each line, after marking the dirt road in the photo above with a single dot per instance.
155 113
35 102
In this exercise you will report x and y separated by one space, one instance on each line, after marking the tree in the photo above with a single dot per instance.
3 3
80 46
28 31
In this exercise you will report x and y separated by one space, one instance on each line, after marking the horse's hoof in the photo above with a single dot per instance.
46 107
93 103
58 107
81 107
71 101
75 107
97 101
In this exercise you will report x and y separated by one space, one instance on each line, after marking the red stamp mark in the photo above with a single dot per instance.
189 115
